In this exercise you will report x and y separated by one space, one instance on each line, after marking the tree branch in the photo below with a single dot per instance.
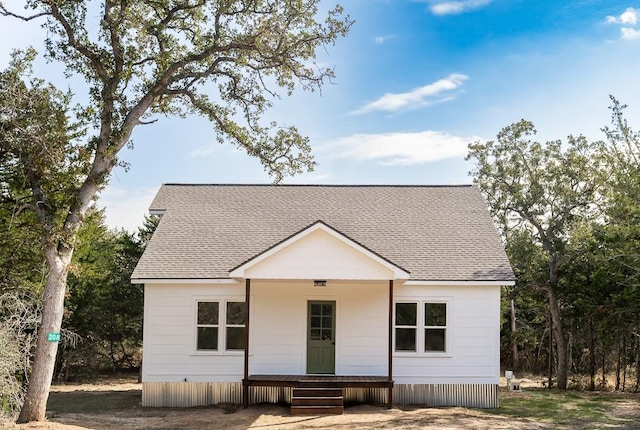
5 12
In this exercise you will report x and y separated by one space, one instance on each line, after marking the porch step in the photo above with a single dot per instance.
317 410
317 401
317 392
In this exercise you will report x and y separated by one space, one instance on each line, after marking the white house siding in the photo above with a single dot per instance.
172 370
279 326
318 255
278 329
473 356
169 334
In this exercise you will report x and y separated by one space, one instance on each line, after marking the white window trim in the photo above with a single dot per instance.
420 329
222 325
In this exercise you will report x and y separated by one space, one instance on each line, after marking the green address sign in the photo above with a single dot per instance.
53 336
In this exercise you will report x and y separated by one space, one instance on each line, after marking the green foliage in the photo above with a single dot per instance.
41 158
570 217
103 307
224 60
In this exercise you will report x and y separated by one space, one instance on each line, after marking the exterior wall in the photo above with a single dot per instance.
278 332
473 356
279 326
169 353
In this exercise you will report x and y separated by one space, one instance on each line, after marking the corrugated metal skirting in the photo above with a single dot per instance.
187 394
467 395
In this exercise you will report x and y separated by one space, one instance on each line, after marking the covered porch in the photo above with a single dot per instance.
320 255
322 381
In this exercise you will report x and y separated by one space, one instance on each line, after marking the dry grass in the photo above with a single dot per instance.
116 405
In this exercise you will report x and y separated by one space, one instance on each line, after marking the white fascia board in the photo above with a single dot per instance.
398 273
158 212
460 283
184 281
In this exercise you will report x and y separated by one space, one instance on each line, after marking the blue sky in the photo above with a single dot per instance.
417 80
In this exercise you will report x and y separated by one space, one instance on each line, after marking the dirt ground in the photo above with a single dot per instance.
116 405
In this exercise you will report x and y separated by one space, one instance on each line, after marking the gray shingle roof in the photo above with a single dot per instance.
437 233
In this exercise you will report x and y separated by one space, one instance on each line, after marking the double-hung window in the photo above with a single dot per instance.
435 327
406 326
235 326
219 326
421 327
208 326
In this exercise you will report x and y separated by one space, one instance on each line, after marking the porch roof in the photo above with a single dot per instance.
436 233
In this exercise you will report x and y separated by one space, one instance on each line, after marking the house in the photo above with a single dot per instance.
390 294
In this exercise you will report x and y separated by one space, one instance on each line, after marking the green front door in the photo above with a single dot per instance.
321 337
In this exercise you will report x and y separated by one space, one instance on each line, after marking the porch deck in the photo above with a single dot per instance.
317 381
327 381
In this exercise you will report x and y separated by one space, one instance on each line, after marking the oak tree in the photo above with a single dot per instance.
540 189
227 60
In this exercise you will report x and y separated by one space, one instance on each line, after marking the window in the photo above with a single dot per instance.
235 326
406 320
220 323
207 326
435 327
426 317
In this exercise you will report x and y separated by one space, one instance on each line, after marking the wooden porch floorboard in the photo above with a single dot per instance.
329 381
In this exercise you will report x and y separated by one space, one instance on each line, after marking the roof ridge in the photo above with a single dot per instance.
175 184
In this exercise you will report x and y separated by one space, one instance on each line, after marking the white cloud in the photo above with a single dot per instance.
399 148
126 207
455 7
418 97
379 40
630 33
206 150
630 16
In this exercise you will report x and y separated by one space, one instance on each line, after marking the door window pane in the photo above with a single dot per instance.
316 322
327 310
316 309
327 322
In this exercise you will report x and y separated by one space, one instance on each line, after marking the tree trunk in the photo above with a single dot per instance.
624 363
618 362
638 362
550 373
592 356
35 404
604 367
558 332
514 343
